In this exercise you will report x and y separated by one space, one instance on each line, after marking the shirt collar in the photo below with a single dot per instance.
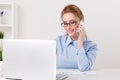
68 40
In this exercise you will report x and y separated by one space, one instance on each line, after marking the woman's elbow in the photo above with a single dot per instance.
84 68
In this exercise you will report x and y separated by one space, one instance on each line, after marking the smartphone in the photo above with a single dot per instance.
81 22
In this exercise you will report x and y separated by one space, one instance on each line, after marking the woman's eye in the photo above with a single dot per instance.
65 23
73 22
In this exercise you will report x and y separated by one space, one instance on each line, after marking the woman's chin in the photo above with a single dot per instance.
70 34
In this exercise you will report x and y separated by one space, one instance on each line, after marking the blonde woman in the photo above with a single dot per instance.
74 50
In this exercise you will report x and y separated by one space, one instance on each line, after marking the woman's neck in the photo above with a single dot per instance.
74 38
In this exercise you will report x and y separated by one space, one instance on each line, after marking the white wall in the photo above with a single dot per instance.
40 19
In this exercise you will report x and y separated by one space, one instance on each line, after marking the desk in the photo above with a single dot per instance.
103 74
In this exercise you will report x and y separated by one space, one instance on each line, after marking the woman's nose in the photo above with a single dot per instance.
68 27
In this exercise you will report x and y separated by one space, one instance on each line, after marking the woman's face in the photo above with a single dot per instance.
70 23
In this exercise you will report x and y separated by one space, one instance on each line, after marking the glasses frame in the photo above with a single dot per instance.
71 23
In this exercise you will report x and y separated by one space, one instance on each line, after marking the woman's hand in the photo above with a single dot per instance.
81 36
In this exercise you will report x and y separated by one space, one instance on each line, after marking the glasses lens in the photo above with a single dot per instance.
71 23
64 24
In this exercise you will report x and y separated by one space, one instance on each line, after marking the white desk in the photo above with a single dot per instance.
105 74
102 74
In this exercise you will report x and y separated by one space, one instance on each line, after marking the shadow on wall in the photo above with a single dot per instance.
104 61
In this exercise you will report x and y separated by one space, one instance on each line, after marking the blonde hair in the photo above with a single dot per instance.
71 8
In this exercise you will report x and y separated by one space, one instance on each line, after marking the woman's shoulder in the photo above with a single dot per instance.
61 37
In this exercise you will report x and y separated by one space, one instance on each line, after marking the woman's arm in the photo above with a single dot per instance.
86 57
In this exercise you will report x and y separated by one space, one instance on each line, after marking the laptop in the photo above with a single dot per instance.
29 59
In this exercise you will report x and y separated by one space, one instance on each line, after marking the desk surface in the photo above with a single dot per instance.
102 74
105 74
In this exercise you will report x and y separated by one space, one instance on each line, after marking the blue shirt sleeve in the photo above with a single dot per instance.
86 57
68 55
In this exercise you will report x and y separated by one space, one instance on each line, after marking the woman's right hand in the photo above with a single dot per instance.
81 35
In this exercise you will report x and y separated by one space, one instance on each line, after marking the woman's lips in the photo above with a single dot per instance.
70 31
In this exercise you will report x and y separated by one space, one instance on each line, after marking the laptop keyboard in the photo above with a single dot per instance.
61 76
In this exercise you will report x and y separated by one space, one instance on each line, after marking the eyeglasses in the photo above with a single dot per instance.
71 23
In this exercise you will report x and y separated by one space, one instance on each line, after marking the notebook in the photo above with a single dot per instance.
29 59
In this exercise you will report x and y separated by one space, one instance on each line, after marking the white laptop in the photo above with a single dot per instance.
29 59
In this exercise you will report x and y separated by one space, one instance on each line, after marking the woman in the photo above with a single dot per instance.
74 51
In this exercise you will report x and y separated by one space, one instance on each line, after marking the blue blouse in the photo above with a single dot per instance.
69 56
